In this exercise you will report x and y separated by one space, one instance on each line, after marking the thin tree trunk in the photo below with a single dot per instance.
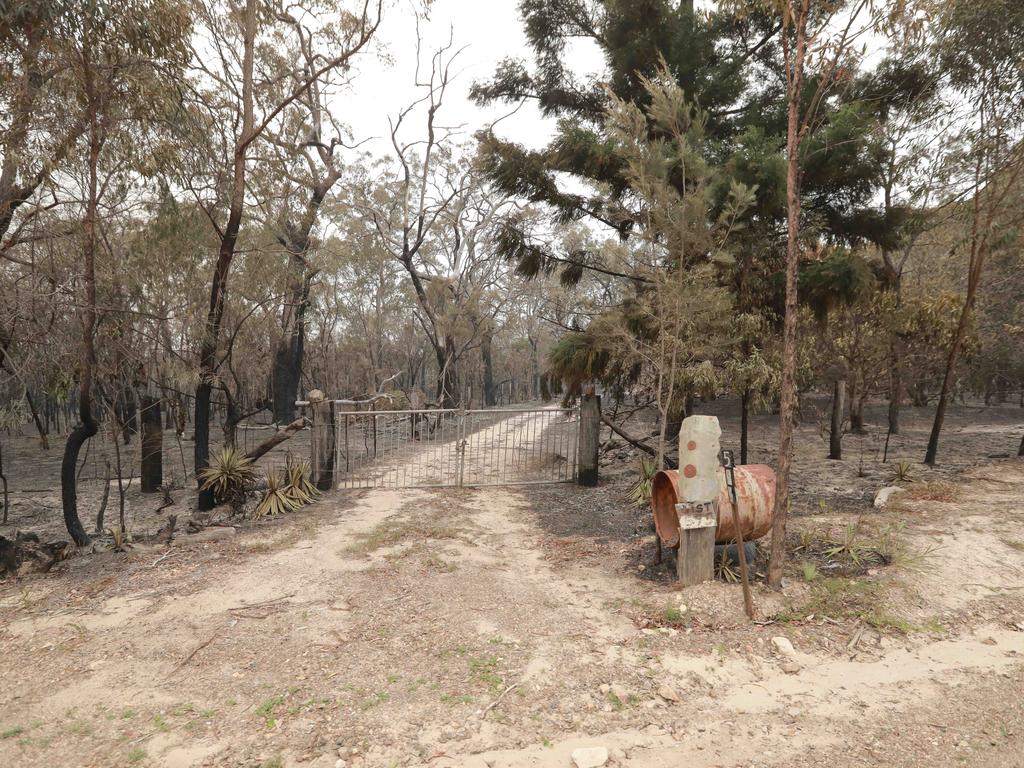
151 467
787 406
447 385
835 438
488 361
895 388
7 500
744 425
225 254
88 426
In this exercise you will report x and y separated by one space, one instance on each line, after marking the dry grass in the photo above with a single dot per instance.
395 531
932 490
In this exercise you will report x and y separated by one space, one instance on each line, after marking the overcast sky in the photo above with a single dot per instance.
488 30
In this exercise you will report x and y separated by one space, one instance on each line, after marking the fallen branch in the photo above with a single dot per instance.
195 650
670 463
495 703
279 437
164 556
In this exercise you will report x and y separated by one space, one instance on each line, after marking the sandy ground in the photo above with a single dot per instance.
508 627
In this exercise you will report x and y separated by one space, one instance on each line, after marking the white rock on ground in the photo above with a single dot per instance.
783 647
590 757
882 497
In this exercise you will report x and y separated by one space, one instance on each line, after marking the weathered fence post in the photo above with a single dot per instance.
151 471
589 440
699 440
322 440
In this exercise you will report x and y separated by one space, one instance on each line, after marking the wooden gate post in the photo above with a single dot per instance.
589 440
322 440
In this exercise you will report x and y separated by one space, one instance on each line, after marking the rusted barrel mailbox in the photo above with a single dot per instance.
755 500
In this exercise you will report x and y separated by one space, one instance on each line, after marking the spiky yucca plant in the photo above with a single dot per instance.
300 489
276 499
227 475
640 490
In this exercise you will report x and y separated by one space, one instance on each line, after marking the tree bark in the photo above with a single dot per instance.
447 383
835 438
151 470
857 398
787 408
287 375
895 388
488 361
744 424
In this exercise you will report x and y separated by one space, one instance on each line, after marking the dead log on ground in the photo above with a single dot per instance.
26 554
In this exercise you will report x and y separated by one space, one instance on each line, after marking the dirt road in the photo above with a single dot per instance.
462 627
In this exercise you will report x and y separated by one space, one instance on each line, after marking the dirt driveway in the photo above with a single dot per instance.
478 627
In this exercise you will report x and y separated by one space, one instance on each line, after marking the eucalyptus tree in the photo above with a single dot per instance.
233 97
298 165
980 47
122 55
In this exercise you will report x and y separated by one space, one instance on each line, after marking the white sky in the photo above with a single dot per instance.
489 31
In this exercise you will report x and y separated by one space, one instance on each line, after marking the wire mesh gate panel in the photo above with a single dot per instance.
442 448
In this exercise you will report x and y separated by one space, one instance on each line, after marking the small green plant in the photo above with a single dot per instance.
883 621
809 571
639 492
267 708
674 615
227 475
484 670
277 499
10 733
902 472
850 547
136 755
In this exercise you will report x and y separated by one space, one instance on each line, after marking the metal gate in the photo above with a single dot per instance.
444 448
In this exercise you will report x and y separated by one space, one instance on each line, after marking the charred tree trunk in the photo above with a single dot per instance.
3 479
486 355
88 426
835 438
128 417
287 375
151 470
287 370
225 254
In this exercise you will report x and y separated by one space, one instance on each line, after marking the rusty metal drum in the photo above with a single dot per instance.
755 502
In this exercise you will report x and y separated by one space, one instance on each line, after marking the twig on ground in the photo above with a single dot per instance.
164 556
196 650
497 701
